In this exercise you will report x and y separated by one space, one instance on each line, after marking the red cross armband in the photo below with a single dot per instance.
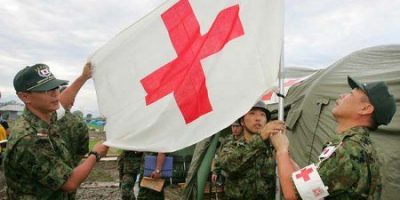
309 184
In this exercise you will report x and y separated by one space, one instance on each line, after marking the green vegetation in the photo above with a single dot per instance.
98 174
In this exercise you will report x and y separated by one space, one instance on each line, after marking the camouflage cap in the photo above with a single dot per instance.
379 96
36 78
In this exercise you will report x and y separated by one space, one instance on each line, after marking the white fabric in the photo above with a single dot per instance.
309 183
236 76
60 112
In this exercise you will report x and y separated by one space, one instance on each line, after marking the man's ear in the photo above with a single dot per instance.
367 109
25 97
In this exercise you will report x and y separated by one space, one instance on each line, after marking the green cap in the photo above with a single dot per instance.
379 96
36 78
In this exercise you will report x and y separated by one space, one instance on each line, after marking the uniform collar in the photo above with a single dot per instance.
359 130
36 122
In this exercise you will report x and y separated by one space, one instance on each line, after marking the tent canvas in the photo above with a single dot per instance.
310 121
309 103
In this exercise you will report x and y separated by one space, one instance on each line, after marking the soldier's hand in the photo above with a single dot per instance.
214 178
87 71
271 128
155 175
280 142
101 149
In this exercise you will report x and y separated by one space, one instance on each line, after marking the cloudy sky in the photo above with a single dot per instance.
64 33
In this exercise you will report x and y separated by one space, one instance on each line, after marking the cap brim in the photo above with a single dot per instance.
49 85
354 84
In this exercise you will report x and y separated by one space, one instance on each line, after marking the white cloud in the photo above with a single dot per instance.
61 34
328 30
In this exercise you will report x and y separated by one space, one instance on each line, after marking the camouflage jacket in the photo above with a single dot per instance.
129 162
75 134
249 168
352 172
38 160
216 169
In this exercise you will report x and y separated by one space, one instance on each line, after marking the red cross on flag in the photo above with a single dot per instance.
186 71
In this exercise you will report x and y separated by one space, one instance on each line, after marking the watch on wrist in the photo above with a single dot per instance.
98 157
158 171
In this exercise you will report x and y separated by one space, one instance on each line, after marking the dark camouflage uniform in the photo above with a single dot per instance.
128 167
149 194
352 172
38 159
249 168
217 164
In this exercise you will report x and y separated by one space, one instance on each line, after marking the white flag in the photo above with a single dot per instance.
186 71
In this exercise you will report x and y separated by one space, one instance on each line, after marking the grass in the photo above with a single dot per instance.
100 175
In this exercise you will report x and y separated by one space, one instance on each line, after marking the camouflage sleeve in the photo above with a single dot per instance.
82 139
217 166
237 156
77 135
38 159
343 170
216 169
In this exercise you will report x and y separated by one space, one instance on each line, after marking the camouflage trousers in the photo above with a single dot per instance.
127 182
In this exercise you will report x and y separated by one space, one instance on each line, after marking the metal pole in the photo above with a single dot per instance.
280 113
281 87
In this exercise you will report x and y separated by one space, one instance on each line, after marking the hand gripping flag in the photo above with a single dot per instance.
187 70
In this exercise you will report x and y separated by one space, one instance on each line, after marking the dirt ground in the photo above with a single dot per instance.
102 183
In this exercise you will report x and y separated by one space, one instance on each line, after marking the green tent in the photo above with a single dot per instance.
309 104
308 108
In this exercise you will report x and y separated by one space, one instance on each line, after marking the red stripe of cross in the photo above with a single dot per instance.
184 76
304 174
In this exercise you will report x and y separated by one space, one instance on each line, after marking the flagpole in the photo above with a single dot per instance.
280 102
280 116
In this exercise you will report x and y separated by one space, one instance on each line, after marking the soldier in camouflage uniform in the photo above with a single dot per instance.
128 167
40 161
236 129
352 171
248 162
